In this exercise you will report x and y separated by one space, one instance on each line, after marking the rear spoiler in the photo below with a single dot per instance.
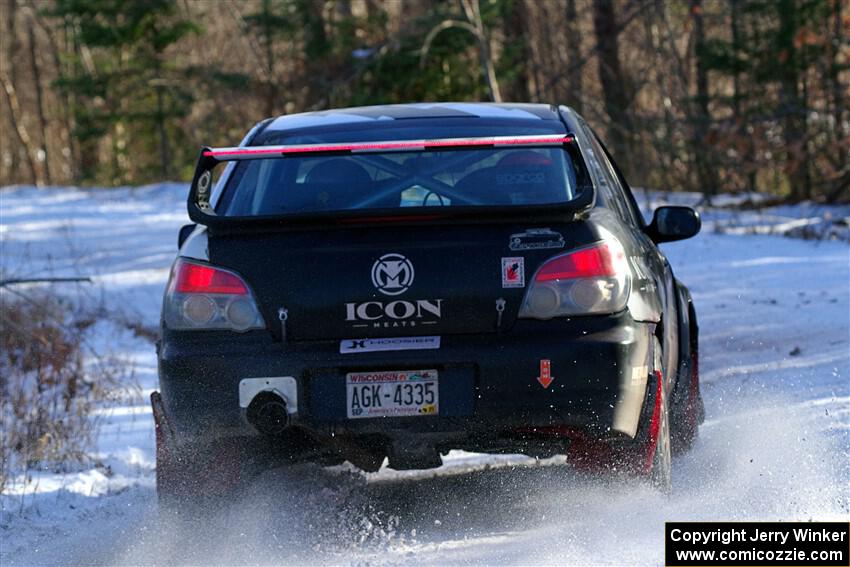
200 210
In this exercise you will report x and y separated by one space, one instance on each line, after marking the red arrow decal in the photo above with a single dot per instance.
545 377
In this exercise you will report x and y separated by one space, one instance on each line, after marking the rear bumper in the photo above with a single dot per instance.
488 383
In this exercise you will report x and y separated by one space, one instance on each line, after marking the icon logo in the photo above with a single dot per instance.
392 274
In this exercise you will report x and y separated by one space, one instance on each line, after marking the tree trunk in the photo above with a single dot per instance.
614 84
516 43
345 42
44 157
8 76
792 107
574 70
838 94
536 76
271 85
662 137
164 149
21 132
749 158
838 91
706 172
68 153
316 49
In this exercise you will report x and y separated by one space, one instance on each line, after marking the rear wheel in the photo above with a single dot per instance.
685 428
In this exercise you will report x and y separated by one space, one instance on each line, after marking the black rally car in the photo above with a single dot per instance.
398 281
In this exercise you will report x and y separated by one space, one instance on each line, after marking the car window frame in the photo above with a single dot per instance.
621 186
598 162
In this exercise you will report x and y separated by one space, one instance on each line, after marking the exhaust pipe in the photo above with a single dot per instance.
267 413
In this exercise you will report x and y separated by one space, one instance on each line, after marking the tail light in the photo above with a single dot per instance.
586 281
204 297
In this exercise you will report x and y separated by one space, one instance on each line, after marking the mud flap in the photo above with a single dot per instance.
164 444
164 432
632 393
635 456
186 471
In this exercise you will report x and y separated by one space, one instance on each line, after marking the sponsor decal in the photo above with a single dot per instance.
393 314
535 178
513 272
545 378
392 274
536 239
349 346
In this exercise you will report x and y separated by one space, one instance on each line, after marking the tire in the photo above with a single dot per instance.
685 428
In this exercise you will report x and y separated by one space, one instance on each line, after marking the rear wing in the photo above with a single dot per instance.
201 211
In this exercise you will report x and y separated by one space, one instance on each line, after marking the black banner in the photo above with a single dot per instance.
744 544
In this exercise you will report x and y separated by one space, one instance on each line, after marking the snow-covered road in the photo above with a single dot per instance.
775 445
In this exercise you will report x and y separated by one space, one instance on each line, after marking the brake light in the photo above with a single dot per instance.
601 260
204 297
587 281
198 278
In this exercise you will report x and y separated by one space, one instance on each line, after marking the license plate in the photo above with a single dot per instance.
392 393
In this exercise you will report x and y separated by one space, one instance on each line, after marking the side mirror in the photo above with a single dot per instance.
184 233
673 223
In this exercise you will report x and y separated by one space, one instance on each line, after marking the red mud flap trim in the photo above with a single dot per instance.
654 425
582 451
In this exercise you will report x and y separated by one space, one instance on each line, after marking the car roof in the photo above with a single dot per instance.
425 110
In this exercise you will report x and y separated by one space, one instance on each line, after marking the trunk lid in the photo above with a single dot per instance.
382 281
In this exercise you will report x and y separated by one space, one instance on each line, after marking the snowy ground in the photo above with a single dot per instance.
776 443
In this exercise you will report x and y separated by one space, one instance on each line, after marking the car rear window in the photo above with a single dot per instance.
483 177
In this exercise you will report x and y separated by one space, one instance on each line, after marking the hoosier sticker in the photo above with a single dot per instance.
513 272
348 346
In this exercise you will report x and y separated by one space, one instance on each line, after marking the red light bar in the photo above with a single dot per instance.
398 145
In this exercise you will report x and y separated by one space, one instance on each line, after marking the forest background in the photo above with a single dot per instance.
698 95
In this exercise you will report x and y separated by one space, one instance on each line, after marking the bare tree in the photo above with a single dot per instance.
475 26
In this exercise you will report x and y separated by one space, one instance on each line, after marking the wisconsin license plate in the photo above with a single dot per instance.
392 393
